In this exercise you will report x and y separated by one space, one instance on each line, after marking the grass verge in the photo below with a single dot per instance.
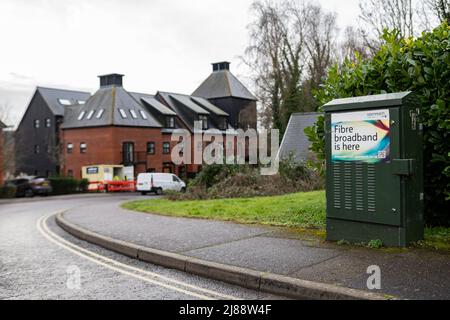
298 211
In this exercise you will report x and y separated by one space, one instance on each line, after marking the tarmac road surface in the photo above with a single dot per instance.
38 260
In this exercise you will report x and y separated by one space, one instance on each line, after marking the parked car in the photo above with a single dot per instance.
31 186
158 183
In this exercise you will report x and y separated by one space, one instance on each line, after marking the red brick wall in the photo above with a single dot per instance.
104 146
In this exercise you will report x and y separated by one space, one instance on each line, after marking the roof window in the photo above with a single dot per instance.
81 116
65 102
143 114
100 113
90 114
123 113
133 114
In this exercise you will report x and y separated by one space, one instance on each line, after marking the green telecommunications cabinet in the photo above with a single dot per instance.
374 169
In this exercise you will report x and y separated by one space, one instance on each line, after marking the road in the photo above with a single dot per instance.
38 260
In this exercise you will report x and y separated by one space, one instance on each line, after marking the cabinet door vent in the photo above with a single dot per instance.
359 187
371 189
337 171
348 199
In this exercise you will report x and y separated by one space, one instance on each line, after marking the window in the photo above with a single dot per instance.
37 124
81 116
133 114
48 123
48 148
70 173
69 147
100 113
128 153
223 123
143 114
90 114
65 102
170 122
123 113
150 148
166 148
83 147
204 120
92 170
175 179
37 149
81 101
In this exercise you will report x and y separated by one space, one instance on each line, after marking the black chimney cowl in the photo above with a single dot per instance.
220 66
113 79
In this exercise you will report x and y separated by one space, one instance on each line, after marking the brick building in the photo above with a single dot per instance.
118 127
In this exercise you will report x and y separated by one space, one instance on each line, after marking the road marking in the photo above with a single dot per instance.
117 266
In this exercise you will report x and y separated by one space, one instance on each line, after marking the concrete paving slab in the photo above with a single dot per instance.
282 256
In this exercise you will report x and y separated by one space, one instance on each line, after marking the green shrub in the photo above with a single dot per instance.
375 244
67 185
232 181
7 192
421 66
83 185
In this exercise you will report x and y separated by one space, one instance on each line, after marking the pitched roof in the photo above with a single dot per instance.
188 108
180 102
209 106
111 105
221 84
158 106
295 141
55 98
150 101
372 101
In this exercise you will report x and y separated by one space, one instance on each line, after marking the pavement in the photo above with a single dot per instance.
405 273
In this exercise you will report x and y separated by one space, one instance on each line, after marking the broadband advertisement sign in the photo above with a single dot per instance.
361 136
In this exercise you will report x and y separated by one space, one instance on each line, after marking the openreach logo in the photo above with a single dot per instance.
232 147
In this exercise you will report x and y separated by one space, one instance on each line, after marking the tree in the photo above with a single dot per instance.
421 66
441 8
352 47
7 136
406 16
291 45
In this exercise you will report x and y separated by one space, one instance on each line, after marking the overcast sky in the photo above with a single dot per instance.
158 44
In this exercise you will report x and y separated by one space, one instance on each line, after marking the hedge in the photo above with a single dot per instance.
421 66
67 185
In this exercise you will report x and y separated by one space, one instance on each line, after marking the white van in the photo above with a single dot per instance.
158 183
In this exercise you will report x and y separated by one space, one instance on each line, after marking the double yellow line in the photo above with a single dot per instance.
141 274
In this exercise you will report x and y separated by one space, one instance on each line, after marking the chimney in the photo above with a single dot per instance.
220 66
113 79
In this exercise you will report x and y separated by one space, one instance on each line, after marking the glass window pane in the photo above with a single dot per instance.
123 113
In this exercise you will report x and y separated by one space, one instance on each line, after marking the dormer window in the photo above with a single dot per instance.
170 122
81 102
204 121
